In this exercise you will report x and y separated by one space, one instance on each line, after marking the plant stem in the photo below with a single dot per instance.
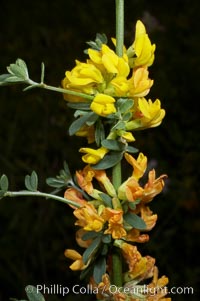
41 194
33 84
117 268
119 27
116 170
65 91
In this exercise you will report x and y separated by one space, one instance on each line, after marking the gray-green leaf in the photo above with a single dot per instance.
109 160
33 293
135 221
31 182
4 183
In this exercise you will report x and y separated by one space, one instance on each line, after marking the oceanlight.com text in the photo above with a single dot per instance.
77 289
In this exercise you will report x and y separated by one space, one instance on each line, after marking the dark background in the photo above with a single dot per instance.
34 136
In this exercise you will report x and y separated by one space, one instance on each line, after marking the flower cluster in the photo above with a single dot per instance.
113 219
119 217
118 86
113 215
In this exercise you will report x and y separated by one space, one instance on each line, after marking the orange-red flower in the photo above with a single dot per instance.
154 186
88 218
115 222
73 195
78 261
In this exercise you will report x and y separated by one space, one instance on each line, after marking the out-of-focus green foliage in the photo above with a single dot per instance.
34 136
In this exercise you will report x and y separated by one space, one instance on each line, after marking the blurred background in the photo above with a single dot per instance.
34 136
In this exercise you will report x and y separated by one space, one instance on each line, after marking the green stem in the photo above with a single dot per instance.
33 84
41 194
116 170
65 91
119 27
117 268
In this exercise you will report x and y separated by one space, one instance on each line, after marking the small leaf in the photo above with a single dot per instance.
33 293
31 182
91 250
99 269
106 238
120 125
109 160
34 180
19 69
57 183
125 104
127 116
113 145
4 183
99 132
132 150
132 205
106 199
135 221
90 235
80 105
77 124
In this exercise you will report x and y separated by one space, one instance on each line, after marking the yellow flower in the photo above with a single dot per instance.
88 132
73 195
110 61
158 286
128 136
139 267
103 105
134 235
142 46
93 156
115 222
82 243
139 165
139 83
153 187
152 114
88 218
78 261
84 77
130 190
149 218
120 84
84 178
103 179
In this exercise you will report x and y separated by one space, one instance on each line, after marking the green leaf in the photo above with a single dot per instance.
4 79
132 205
132 150
127 116
106 238
90 235
19 69
120 125
135 221
4 183
109 160
2 194
77 124
99 132
99 269
57 183
79 105
31 182
113 145
97 44
106 199
91 250
33 293
124 104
